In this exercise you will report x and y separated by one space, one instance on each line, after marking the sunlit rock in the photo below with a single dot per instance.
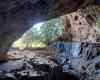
81 26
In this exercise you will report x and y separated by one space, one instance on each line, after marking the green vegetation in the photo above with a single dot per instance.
49 31
35 37
95 12
98 21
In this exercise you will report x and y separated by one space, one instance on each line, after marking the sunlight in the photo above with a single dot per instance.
38 26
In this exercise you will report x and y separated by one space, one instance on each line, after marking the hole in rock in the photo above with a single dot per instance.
64 48
33 56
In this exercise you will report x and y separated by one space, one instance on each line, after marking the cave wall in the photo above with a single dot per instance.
81 26
17 16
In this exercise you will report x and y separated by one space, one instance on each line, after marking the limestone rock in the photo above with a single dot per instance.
88 62
86 65
81 26
17 16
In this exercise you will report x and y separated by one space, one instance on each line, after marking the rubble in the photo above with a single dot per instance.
76 61
85 63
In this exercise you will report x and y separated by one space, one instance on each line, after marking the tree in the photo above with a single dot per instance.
31 36
48 32
51 30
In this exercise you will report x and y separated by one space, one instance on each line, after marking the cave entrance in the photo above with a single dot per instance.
40 34
37 40
31 55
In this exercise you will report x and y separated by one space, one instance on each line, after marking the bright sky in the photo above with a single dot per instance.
38 26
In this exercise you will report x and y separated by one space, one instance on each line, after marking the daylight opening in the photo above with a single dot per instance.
64 48
40 34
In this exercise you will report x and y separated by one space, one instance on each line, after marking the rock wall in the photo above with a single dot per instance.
81 26
80 58
17 16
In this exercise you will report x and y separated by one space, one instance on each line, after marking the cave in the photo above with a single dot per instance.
16 17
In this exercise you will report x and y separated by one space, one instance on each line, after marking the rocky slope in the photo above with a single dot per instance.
73 61
41 65
80 58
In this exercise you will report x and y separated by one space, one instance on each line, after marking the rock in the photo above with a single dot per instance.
16 17
66 67
31 75
58 74
79 26
42 63
7 76
68 50
86 64
11 65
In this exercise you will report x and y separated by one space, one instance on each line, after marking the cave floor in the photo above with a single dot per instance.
27 64
41 64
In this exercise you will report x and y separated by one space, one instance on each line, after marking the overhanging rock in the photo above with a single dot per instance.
18 16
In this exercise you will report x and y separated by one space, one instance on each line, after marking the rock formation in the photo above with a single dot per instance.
79 58
81 26
18 16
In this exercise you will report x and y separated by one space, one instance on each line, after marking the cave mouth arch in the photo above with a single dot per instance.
41 34
16 17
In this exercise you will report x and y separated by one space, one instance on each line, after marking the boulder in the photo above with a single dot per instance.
79 58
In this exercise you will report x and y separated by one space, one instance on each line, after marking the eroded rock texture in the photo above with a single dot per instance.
80 58
81 26
87 64
17 16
